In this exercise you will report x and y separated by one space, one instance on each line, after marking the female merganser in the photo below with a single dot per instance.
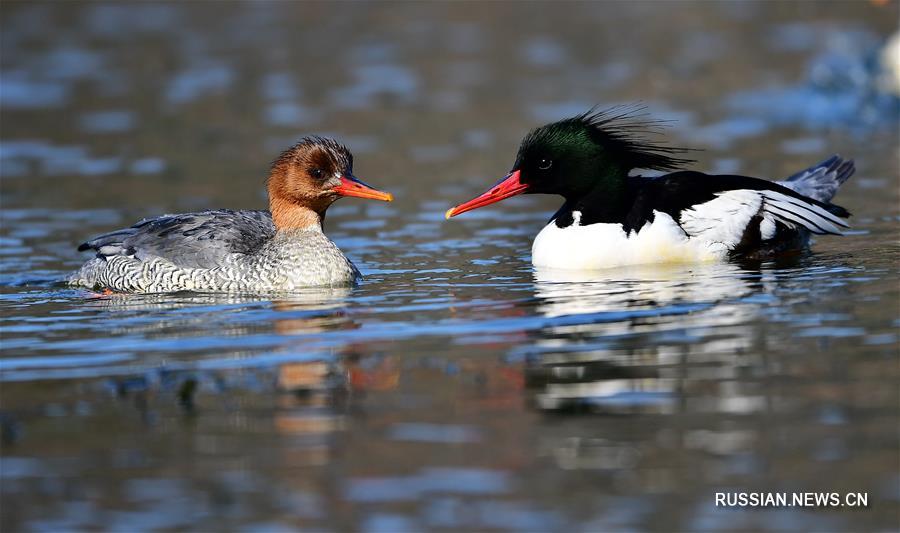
610 218
240 251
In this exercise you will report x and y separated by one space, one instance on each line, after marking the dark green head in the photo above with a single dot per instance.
591 153
573 156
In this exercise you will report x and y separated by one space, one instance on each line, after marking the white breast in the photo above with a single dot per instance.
607 245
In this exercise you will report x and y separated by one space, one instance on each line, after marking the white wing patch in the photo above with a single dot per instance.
725 218
796 213
767 228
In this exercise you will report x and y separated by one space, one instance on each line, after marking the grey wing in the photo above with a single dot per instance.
195 240
821 182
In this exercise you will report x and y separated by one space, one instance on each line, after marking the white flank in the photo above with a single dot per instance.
708 231
606 245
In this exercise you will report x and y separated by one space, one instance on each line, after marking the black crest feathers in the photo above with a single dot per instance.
621 131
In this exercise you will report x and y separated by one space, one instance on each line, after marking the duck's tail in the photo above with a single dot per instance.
821 182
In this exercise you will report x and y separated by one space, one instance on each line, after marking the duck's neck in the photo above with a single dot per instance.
289 215
608 201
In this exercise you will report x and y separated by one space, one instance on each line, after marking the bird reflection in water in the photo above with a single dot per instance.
345 369
317 309
318 394
316 368
626 340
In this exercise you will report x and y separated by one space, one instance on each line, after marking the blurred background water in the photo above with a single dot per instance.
456 388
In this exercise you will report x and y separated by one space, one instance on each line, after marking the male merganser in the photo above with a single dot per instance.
240 251
610 218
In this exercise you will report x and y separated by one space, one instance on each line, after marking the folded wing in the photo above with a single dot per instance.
194 240
739 211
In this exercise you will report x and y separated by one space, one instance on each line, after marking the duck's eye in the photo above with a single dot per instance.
545 164
316 173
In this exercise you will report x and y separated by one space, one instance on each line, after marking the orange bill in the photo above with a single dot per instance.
508 186
352 186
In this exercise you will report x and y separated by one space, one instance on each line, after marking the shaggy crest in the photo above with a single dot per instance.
620 130
294 154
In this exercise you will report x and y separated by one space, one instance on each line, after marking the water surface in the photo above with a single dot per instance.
456 387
